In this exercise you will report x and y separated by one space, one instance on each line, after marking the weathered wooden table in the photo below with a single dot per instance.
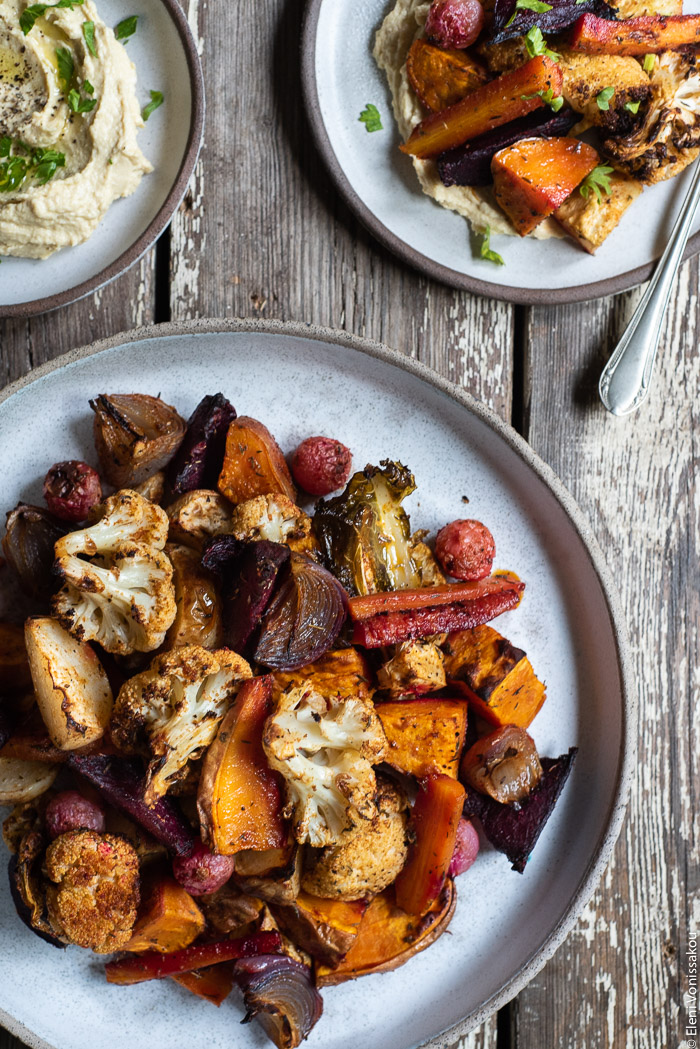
262 233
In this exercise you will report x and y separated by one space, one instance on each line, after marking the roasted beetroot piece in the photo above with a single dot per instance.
466 848
28 546
465 550
515 832
304 617
561 14
321 465
279 993
248 572
470 164
154 966
121 782
454 23
71 489
202 871
197 463
69 810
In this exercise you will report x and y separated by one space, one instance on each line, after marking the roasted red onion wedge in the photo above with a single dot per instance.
304 617
135 436
28 547
279 993
197 462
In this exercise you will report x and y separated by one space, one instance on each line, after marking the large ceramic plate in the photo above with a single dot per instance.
302 381
165 55
378 182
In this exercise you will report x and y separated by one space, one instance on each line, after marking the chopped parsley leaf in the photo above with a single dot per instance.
528 5
89 37
485 250
537 45
40 164
555 102
599 179
370 118
80 105
66 66
126 28
34 11
88 88
632 107
604 96
156 100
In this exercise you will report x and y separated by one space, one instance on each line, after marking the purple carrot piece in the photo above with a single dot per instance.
197 462
121 782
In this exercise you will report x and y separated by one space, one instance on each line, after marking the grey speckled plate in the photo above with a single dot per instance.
339 77
165 55
301 381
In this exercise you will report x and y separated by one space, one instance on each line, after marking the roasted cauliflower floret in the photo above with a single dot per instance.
273 517
424 560
416 666
93 891
197 516
585 76
325 749
371 860
667 137
172 710
118 587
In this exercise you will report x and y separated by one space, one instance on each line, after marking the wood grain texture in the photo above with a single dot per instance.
618 980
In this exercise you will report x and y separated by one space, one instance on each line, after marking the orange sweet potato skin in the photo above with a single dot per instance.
647 34
168 920
424 735
388 937
534 176
496 678
253 463
239 799
214 983
326 929
489 106
439 77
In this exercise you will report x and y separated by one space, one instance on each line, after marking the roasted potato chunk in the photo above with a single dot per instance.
590 220
198 619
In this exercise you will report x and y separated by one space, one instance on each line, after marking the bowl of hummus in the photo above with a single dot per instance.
94 153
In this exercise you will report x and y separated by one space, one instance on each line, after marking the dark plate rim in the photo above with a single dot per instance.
416 259
628 693
34 307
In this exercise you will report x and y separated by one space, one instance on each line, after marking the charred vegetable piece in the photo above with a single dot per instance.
440 78
454 23
365 534
647 34
203 871
508 97
154 966
561 14
26 884
249 573
435 816
197 462
424 735
279 993
326 929
515 832
15 674
505 765
121 782
168 919
214 983
28 545
69 810
341 673
470 164
321 465
496 677
388 936
420 613
239 799
199 616
535 175
22 780
253 463
71 489
304 617
135 435
273 875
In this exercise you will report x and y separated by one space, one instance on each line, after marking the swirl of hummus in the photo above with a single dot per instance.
96 134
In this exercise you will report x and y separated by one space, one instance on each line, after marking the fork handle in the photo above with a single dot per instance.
626 378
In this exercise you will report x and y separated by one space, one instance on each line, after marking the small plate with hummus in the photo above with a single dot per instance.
101 118
639 116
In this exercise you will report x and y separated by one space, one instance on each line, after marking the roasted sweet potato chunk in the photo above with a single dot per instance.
440 78
214 983
326 929
340 673
253 463
239 798
533 177
506 98
647 34
424 735
388 937
273 875
168 919
497 678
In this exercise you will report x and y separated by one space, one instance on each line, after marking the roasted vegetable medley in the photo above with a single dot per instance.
247 745
492 99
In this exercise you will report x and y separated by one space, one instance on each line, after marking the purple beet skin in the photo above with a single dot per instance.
516 832
562 13
197 462
470 164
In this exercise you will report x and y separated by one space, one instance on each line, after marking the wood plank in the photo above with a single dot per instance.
617 981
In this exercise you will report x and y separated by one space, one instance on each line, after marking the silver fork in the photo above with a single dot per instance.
626 378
